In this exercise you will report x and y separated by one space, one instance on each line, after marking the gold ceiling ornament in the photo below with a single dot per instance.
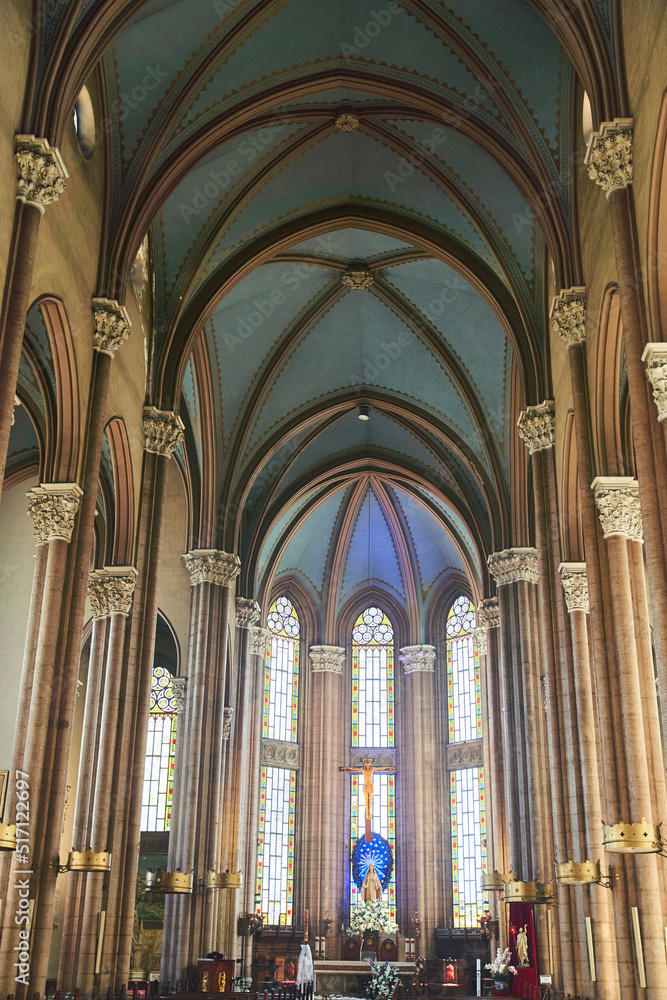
582 873
346 122
169 883
89 861
7 837
633 838
357 278
529 892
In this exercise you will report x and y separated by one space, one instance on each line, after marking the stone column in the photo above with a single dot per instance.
527 799
322 790
597 904
53 508
163 432
536 426
239 781
609 160
568 318
420 807
111 590
195 843
257 643
40 181
618 502
486 637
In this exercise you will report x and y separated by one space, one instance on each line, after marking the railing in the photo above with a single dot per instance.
186 988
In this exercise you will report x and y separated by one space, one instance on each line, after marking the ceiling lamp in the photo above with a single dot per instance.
582 873
633 838
7 837
346 122
363 412
529 892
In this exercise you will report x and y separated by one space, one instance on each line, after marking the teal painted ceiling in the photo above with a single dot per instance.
452 193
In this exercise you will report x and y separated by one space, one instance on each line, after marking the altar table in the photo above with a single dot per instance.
339 977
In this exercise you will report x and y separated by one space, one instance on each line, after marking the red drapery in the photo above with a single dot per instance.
520 915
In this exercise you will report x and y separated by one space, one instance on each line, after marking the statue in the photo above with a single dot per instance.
370 887
368 769
522 945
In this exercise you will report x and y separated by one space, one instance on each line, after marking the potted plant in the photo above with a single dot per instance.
501 970
372 915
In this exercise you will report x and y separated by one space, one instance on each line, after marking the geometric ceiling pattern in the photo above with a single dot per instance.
451 190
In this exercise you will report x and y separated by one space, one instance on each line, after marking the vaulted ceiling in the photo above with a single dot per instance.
452 192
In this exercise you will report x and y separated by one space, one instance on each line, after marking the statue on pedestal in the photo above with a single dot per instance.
522 945
370 887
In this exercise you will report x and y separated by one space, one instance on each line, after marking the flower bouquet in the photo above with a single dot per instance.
372 915
501 969
383 982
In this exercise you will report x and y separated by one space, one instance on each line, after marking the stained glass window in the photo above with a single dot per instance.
160 752
463 680
383 822
372 680
281 677
275 861
468 845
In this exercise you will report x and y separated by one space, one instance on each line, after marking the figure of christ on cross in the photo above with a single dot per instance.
368 770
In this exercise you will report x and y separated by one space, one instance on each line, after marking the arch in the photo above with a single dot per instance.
571 531
439 608
123 529
656 276
84 123
608 432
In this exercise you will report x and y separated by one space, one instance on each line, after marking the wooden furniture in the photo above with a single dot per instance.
215 975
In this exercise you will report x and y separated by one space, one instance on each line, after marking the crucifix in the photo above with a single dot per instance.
368 770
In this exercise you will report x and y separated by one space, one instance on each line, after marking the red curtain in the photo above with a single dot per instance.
520 915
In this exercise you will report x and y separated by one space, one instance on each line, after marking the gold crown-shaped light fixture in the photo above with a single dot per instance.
169 883
89 861
529 892
633 838
581 873
495 881
7 837
224 880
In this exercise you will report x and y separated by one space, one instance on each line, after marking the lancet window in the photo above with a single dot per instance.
160 753
275 860
468 845
372 680
464 696
281 677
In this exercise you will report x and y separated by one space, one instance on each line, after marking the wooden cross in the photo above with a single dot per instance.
368 769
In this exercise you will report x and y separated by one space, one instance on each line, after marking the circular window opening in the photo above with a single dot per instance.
84 123
587 119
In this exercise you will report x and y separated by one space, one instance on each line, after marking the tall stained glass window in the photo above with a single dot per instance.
468 845
383 822
275 861
160 752
463 680
372 680
281 677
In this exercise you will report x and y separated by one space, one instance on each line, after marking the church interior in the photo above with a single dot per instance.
333 441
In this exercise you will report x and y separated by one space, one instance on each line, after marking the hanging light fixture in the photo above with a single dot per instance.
633 838
363 412
88 861
168 883
529 892
7 837
495 882
582 873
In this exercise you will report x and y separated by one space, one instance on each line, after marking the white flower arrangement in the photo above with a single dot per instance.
372 915
384 980
500 966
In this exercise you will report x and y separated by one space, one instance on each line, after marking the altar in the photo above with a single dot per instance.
336 977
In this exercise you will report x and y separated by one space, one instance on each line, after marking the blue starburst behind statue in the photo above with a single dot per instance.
378 853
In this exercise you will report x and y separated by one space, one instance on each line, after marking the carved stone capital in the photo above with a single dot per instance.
163 431
609 155
178 692
537 425
575 586
278 754
568 315
464 754
53 507
479 638
617 499
112 325
655 359
259 638
111 590
212 566
248 612
227 714
512 565
357 278
488 613
41 172
417 659
327 659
